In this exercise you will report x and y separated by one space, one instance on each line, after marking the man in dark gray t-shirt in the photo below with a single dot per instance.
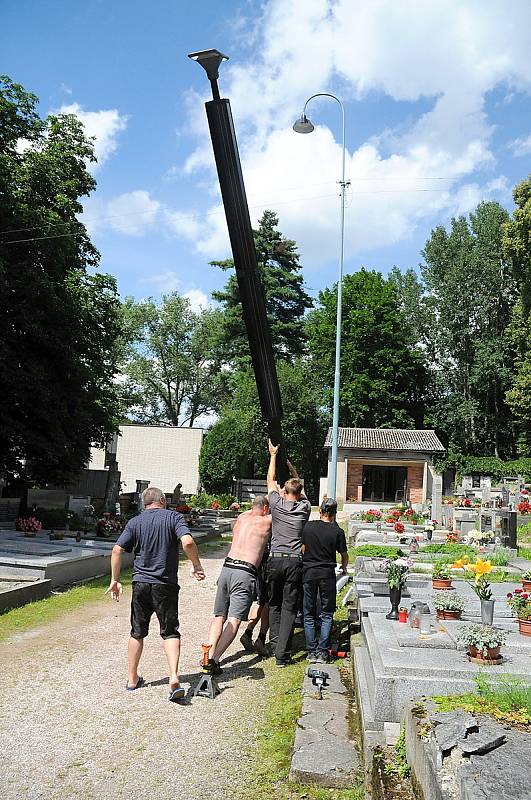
290 511
154 537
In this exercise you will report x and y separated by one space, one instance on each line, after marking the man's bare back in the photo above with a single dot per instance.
250 536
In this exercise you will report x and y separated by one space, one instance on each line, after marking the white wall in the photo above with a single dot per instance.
163 456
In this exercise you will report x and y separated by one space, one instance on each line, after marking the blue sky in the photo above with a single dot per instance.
438 118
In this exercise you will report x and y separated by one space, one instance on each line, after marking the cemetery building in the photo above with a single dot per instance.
383 465
156 455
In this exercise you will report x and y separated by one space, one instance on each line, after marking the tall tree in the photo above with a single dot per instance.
472 292
382 372
58 324
170 376
286 299
236 445
517 248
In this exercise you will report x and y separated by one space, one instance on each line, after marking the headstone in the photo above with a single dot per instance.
436 501
467 482
485 491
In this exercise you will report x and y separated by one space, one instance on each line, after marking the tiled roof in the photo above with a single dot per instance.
386 439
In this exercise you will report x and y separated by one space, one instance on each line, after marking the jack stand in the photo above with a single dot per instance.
319 679
207 687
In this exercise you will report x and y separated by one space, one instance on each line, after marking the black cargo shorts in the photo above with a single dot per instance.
161 599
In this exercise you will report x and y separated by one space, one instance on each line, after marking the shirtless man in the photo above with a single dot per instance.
238 578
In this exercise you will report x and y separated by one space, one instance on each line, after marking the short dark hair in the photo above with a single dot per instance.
328 507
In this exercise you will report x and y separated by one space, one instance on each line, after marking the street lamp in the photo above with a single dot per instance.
303 125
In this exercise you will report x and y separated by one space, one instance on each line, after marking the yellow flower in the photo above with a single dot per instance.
460 563
480 568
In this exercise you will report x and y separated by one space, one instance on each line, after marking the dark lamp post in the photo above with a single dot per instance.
303 125
254 310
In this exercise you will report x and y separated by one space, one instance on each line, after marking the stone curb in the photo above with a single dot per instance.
323 752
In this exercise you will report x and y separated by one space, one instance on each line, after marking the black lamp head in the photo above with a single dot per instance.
210 61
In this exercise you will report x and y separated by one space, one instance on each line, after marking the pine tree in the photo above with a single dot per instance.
286 298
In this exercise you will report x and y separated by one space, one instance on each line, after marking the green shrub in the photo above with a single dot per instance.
523 533
204 500
500 557
525 552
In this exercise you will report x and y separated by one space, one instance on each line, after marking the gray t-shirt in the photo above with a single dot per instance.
288 519
154 537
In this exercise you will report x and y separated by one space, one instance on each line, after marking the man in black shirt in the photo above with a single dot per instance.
321 540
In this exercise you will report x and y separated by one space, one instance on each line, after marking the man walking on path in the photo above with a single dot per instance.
237 583
321 540
154 536
290 510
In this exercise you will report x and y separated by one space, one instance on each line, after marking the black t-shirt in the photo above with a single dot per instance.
321 540
154 536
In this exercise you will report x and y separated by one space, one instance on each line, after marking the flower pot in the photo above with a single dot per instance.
492 656
487 611
526 585
445 613
395 596
524 626
441 583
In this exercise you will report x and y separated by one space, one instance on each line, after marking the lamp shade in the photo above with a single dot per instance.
303 125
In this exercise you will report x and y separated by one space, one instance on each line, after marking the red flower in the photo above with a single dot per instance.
509 594
399 527
518 591
525 597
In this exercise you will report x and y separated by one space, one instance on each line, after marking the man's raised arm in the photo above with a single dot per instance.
272 471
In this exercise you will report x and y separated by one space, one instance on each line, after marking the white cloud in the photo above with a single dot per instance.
104 125
168 281
449 55
132 213
521 146
198 299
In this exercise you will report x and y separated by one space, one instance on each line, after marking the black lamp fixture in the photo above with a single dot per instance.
210 61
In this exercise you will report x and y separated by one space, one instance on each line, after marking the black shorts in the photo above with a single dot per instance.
161 598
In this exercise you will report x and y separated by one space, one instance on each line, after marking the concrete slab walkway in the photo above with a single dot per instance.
69 730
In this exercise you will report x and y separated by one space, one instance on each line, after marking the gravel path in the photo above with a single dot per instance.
69 730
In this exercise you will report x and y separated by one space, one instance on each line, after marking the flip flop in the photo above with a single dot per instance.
177 694
139 684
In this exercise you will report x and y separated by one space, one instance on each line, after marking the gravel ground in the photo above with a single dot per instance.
69 730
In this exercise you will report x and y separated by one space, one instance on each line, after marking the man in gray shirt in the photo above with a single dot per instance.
290 511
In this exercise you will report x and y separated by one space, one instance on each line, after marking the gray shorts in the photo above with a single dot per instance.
235 595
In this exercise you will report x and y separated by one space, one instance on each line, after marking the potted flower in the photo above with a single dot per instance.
399 527
29 525
452 537
371 515
480 585
520 603
524 507
441 577
466 502
483 642
234 507
396 578
448 605
526 581
215 505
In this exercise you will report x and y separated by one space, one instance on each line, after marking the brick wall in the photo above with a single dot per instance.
415 477
354 480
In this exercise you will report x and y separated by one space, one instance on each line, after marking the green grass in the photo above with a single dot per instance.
525 552
374 551
508 701
268 779
450 549
36 614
